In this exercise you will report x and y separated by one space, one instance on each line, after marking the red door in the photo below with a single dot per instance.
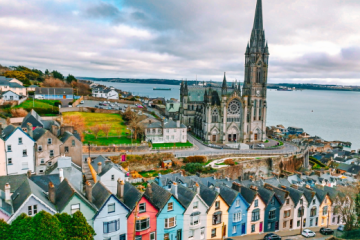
260 227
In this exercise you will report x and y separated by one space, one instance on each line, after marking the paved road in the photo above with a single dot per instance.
92 103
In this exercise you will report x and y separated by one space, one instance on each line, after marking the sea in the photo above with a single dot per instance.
331 115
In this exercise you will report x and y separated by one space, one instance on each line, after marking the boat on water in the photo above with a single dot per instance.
162 89
285 89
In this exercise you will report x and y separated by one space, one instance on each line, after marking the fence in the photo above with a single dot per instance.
22 100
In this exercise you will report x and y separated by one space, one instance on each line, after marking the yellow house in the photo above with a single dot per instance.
256 210
217 214
325 212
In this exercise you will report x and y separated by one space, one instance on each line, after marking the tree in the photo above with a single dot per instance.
95 130
18 112
106 129
346 205
137 127
119 132
65 221
22 228
80 229
128 114
47 226
57 75
4 230
47 73
53 82
70 78
77 121
16 74
357 207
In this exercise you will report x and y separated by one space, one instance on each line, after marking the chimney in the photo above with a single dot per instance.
7 192
253 187
61 174
283 187
294 186
239 178
28 173
51 192
99 169
197 186
55 130
149 190
308 187
107 161
227 178
120 188
217 189
236 186
214 177
174 189
29 128
88 191
178 123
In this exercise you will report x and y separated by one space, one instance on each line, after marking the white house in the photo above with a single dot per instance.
108 93
10 96
19 149
312 213
2 156
167 131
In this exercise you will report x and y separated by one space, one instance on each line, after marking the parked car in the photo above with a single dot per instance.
139 106
261 145
100 103
326 231
96 106
308 233
82 102
341 228
104 104
272 236
101 107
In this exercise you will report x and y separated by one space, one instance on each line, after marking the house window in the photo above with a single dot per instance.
255 215
66 149
9 148
24 166
301 202
234 229
237 217
195 218
216 218
300 212
202 233
51 153
20 141
325 210
111 208
238 203
40 148
217 205
138 237
256 204
298 223
24 153
269 226
112 226
142 207
9 161
272 201
152 236
112 177
75 208
49 141
287 213
313 212
284 224
253 228
195 205
170 206
314 201
287 201
170 222
213 232
73 143
166 236
142 224
49 163
272 214
191 233
32 210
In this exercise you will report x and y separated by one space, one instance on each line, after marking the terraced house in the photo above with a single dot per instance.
312 215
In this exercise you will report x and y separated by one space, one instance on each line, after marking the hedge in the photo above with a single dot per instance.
195 159
314 160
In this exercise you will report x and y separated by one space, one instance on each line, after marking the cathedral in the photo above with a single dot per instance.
223 113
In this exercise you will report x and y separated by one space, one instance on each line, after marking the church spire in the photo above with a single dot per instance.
258 20
224 86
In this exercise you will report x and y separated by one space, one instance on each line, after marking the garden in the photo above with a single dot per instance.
158 146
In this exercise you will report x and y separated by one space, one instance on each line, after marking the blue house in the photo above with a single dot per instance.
169 224
237 211
295 130
54 93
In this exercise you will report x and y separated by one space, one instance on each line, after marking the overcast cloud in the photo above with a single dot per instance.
309 41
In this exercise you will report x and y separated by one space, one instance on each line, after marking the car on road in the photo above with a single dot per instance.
326 231
82 102
96 106
272 236
341 228
260 145
139 106
308 233
39 97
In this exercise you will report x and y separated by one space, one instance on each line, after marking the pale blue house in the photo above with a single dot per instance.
170 220
237 210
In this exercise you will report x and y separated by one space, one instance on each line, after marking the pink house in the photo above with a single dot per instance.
145 222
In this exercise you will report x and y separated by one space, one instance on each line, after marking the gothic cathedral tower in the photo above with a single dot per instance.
255 80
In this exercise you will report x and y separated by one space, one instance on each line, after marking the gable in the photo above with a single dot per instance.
243 203
120 208
86 209
177 207
18 132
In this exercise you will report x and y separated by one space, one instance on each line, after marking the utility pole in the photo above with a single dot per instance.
135 218
222 231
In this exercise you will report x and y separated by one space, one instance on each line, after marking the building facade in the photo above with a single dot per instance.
223 114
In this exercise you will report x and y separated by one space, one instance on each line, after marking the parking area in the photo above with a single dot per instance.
103 105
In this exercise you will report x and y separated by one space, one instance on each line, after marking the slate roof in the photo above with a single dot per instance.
207 194
280 193
33 118
169 178
51 91
27 188
265 194
350 168
248 194
100 194
159 196
14 180
5 207
73 174
294 194
7 131
332 192
67 135
229 195
38 133
131 196
109 166
309 194
321 194
185 195
43 181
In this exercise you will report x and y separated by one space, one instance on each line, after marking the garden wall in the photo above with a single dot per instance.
87 109
108 149
110 100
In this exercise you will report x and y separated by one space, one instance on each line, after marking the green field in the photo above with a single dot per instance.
171 145
46 104
116 122
154 173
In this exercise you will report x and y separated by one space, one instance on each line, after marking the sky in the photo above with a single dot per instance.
309 41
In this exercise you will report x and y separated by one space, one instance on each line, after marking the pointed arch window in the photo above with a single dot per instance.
215 116
258 79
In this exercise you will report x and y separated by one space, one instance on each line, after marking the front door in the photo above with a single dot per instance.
229 137
260 227
338 219
255 136
214 138
234 137
276 226
291 223
64 96
243 228
178 234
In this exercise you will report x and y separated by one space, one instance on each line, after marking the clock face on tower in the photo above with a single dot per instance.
257 93
234 107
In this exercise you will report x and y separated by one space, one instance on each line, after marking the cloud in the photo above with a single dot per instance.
309 40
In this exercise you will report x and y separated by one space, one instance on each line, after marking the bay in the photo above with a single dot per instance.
332 115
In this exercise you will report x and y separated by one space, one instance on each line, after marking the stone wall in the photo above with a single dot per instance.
87 109
111 149
111 100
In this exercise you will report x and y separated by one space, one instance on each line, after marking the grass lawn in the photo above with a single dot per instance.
47 104
220 164
167 145
116 122
154 173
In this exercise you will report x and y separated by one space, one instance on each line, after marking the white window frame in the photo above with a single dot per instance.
237 217
10 161
196 205
75 208
142 205
170 222
49 141
153 236
109 206
20 141
170 206
25 151
234 229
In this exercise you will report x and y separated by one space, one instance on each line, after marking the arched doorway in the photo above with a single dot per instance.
233 134
214 135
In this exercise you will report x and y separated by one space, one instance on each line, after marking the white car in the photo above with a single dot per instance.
39 97
82 102
308 233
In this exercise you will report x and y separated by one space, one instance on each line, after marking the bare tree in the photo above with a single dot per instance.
129 115
119 132
95 130
345 205
137 127
106 129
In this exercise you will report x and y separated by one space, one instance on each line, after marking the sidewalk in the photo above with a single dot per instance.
284 234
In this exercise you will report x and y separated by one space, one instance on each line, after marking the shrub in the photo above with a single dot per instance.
198 167
195 159
229 162
19 112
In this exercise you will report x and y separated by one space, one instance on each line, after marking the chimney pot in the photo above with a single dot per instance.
61 174
174 189
99 168
149 189
7 192
28 173
120 188
217 189
88 191
52 195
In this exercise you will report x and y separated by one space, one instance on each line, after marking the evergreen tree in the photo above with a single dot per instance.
70 78
22 228
65 221
4 230
57 75
47 73
80 229
47 226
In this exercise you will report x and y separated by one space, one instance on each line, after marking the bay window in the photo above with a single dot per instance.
195 218
111 226
142 224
